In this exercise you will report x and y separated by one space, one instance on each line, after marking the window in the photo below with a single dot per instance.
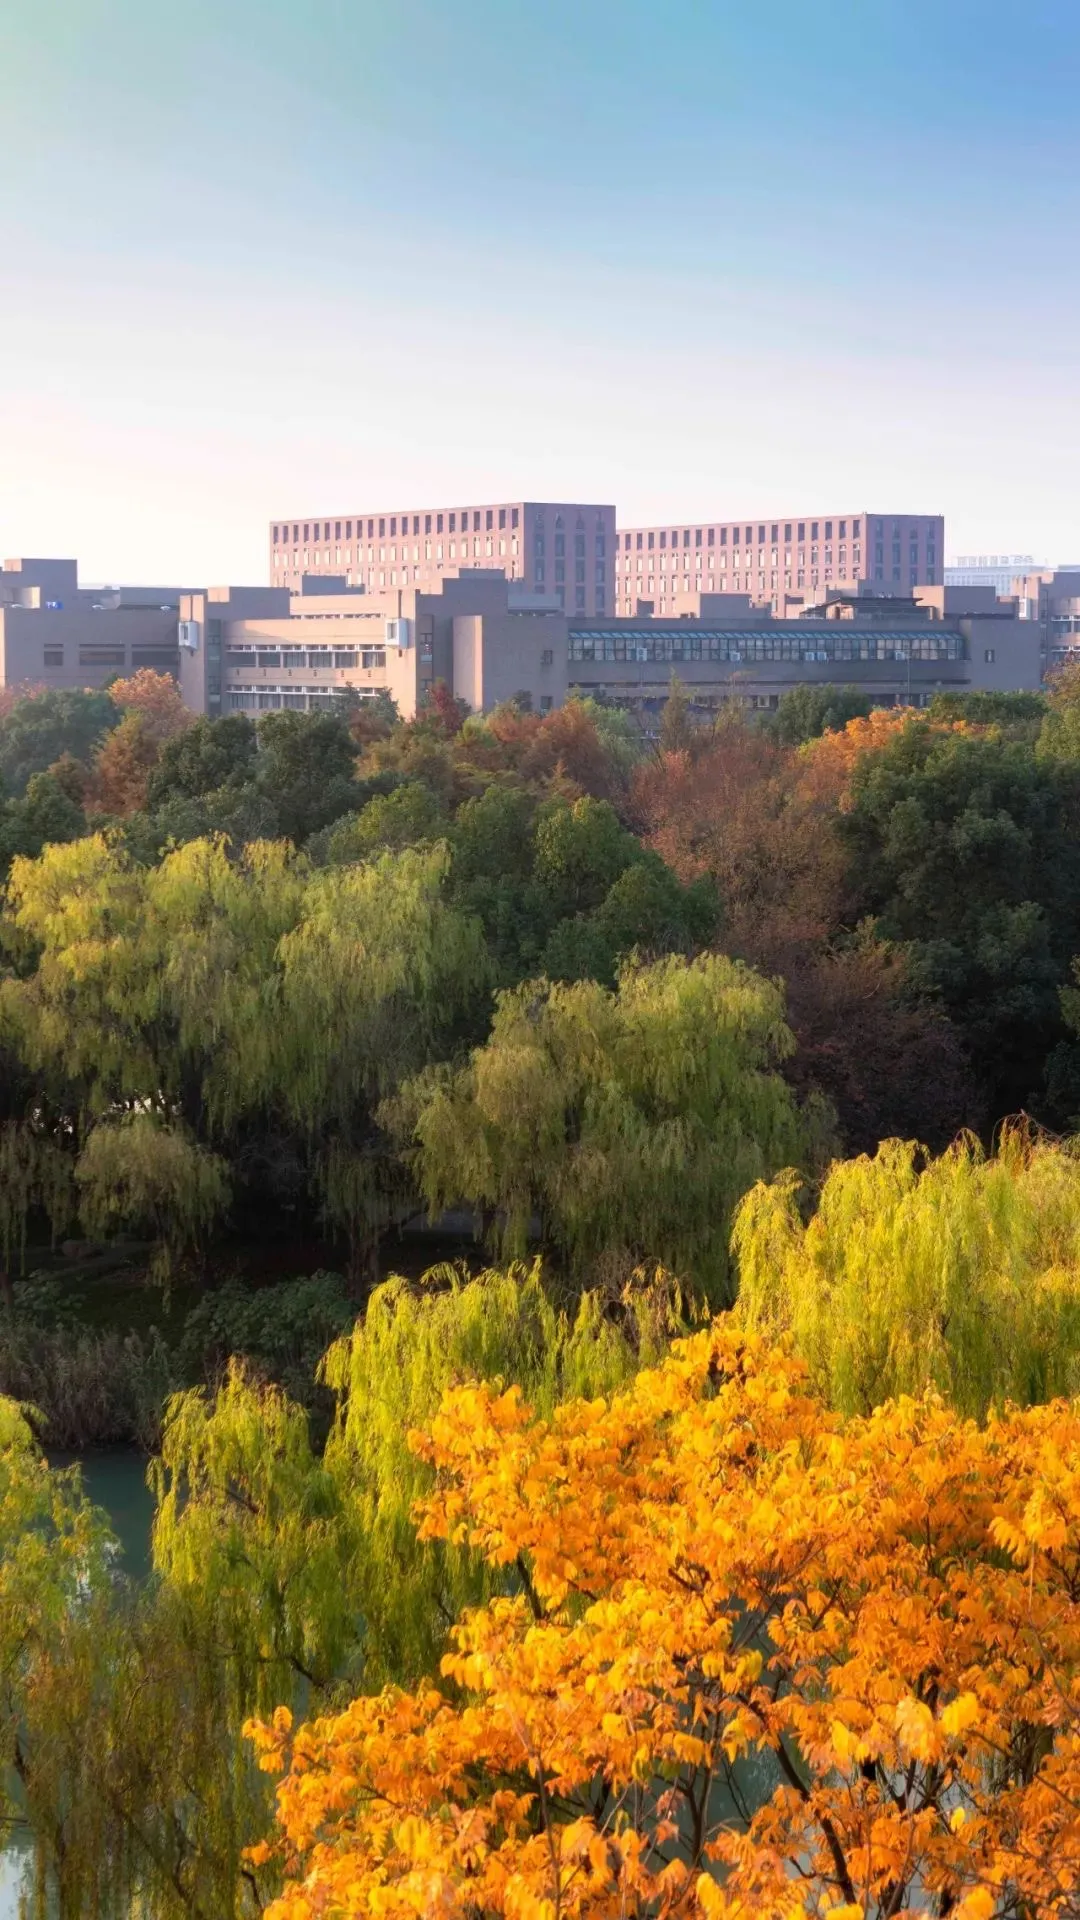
640 538
547 657
545 703
99 656
775 534
989 655
513 516
54 656
697 536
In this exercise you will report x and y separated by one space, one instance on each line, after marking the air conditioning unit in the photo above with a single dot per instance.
399 633
188 635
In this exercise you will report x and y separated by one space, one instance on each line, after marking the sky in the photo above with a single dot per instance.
695 258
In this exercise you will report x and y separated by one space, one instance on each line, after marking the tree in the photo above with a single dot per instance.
676 724
42 727
406 816
575 746
206 756
441 710
45 816
962 846
749 1659
960 1273
807 711
244 1006
124 765
1059 736
1019 715
630 1122
157 699
306 766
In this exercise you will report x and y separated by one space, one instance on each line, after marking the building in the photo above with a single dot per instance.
257 649
565 549
997 570
768 558
1050 598
55 633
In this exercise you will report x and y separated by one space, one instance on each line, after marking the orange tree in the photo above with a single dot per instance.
706 1566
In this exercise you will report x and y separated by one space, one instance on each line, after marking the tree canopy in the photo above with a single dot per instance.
762 1661
630 1121
960 1273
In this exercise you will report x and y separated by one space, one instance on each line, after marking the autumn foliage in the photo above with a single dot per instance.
752 1660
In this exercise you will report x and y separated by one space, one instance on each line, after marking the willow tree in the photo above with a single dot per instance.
309 1562
249 1007
628 1123
961 1272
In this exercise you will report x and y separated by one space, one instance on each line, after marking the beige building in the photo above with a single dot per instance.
565 549
767 558
55 633
257 649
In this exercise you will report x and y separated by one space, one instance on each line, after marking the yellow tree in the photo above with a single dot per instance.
710 1573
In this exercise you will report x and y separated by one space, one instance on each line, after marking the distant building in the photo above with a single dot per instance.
562 548
55 633
766 558
997 570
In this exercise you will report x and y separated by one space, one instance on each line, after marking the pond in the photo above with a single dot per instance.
115 1479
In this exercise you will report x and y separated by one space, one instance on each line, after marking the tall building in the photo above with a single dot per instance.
563 548
767 559
997 570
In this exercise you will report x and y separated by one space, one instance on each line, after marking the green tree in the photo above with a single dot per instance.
41 728
1059 736
45 816
306 765
209 755
226 1001
960 1273
629 1123
807 711
964 850
1019 715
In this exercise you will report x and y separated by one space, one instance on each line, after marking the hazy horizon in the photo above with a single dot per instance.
258 263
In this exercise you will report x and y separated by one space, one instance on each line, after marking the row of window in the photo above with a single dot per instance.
342 557
267 699
768 533
306 657
743 645
711 563
708 535
311 528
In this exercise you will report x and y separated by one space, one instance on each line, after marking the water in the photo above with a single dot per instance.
115 1479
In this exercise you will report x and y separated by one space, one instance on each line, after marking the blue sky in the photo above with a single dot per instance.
696 258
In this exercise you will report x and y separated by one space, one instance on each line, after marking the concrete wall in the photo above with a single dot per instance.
80 646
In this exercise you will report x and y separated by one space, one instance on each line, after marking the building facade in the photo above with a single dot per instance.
997 570
1050 599
55 633
565 549
768 559
491 640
